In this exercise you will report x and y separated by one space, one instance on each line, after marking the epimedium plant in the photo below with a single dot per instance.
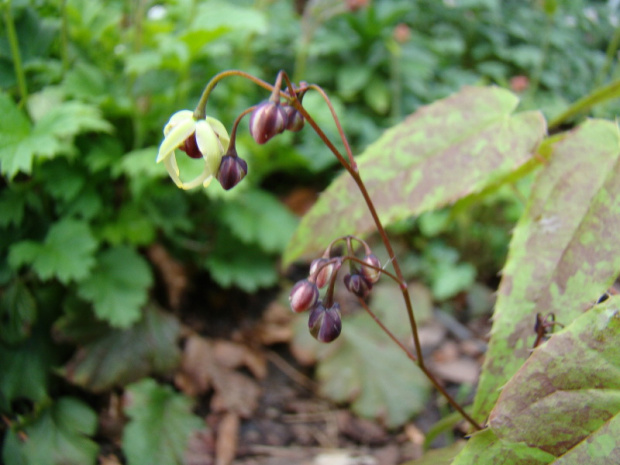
416 167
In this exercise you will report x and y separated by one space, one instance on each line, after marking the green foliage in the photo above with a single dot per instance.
65 254
160 424
147 347
58 434
118 286
81 199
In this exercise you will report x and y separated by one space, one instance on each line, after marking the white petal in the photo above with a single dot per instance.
173 170
176 119
175 137
209 145
207 181
198 180
220 130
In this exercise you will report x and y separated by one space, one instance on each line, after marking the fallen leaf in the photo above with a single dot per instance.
227 439
173 273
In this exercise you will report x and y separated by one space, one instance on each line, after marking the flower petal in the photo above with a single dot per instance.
175 138
209 145
176 119
173 170
220 131
198 180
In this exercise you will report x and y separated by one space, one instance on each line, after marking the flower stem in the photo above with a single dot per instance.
14 44
200 111
424 369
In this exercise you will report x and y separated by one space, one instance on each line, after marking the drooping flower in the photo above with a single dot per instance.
204 138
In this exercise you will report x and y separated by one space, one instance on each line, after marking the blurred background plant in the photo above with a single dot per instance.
94 237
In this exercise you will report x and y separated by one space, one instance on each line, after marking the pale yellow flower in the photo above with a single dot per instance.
211 139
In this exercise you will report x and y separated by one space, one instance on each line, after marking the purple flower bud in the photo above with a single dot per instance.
267 120
232 170
325 271
370 274
358 285
325 324
303 296
294 120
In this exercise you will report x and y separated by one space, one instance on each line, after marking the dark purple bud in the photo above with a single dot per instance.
371 274
232 170
303 296
190 147
358 285
321 270
325 324
268 119
294 120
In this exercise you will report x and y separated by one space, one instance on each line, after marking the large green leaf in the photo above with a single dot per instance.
564 252
160 426
150 346
564 402
441 153
58 435
118 286
65 254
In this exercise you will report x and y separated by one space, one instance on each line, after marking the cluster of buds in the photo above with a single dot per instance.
325 320
206 138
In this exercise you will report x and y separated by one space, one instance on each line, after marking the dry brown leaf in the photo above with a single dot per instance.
275 326
233 355
201 448
234 392
172 272
197 366
109 460
462 371
227 439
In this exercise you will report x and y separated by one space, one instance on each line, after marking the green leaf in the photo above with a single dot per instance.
118 286
234 264
58 435
441 153
565 399
65 254
21 143
160 424
363 366
561 257
441 456
26 367
486 448
149 346
18 311
257 217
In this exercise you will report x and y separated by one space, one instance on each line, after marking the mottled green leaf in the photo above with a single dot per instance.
118 286
441 153
565 399
484 448
564 252
58 435
149 346
442 456
65 254
364 367
160 424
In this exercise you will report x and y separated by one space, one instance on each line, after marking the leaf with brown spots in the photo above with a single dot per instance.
563 405
441 153
564 252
